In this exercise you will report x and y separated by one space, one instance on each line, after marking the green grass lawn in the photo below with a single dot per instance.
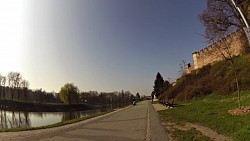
211 111
189 135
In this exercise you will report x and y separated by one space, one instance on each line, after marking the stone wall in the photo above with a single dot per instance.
232 45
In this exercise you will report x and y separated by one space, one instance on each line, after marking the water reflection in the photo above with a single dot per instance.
20 119
11 119
70 115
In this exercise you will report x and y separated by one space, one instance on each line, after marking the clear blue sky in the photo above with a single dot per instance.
103 45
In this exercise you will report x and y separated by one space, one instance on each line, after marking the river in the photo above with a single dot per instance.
20 119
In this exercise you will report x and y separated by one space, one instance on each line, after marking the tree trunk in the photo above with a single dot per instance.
25 95
18 93
12 94
185 88
237 84
4 92
1 91
69 97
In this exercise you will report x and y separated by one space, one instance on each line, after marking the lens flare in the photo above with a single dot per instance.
11 34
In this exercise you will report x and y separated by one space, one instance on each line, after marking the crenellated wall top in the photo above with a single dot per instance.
215 45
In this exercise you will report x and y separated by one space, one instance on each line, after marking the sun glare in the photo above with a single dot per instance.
11 34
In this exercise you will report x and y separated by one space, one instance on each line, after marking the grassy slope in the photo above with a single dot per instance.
211 111
189 135
218 78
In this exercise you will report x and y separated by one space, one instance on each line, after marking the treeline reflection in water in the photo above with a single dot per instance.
20 119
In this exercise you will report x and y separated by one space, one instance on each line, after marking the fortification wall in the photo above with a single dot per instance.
233 45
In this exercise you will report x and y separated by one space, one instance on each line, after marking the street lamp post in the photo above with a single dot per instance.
241 14
246 29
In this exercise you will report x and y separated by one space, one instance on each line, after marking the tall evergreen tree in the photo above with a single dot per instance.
158 84
138 97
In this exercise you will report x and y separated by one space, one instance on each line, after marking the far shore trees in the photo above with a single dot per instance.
1 87
24 87
3 83
16 83
69 94
11 79
14 87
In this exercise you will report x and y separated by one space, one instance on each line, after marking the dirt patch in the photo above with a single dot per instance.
240 111
159 107
204 130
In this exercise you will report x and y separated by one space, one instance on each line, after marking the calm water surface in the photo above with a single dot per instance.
19 119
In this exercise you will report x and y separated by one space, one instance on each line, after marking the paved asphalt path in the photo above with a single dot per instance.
135 123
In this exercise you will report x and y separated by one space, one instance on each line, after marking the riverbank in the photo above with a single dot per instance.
41 107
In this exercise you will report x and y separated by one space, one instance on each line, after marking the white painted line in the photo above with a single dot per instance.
148 127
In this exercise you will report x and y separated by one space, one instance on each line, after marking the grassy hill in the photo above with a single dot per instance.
210 94
212 111
217 78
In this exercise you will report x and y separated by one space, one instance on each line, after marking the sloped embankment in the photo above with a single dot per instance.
212 112
217 78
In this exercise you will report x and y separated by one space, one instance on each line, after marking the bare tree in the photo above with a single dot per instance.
17 83
3 83
24 87
14 80
11 77
220 19
224 48
1 87
182 73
